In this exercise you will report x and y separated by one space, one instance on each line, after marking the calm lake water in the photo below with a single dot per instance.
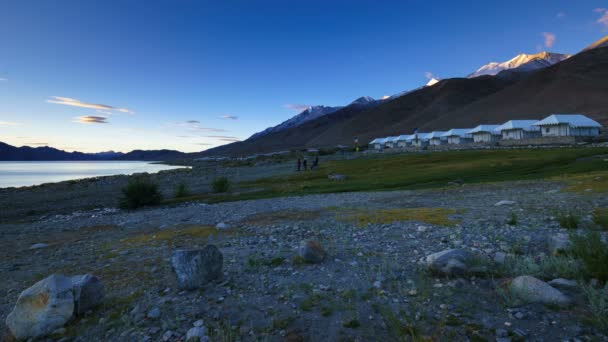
33 173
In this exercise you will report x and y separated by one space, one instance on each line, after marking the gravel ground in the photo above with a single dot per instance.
371 286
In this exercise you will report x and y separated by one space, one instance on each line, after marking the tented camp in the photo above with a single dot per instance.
421 139
485 134
519 129
378 143
437 138
391 142
405 140
458 136
563 125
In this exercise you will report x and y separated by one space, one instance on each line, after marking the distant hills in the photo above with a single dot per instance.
26 153
526 87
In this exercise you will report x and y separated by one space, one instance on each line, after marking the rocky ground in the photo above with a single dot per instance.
373 284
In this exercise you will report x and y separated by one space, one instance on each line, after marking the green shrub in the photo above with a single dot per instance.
545 267
140 192
597 299
181 190
569 220
221 184
593 252
600 217
512 221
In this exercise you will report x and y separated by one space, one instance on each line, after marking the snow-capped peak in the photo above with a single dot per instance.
363 100
598 44
523 62
431 82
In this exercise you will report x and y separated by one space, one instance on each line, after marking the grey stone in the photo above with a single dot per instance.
500 258
88 293
38 246
563 283
154 313
194 268
449 262
195 334
559 244
533 290
221 226
42 308
312 252
504 202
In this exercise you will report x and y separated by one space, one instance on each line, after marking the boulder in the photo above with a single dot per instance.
504 203
221 226
559 244
196 334
312 252
533 290
451 262
39 246
88 293
42 308
336 177
196 267
563 283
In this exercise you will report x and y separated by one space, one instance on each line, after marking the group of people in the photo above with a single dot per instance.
303 164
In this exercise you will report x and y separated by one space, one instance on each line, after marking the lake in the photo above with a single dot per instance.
25 173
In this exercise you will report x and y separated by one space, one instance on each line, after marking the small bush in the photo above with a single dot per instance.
569 221
593 252
181 190
140 192
597 299
221 184
512 221
600 217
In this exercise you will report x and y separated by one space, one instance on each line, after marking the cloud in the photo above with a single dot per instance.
298 107
550 39
429 75
560 15
203 144
193 122
223 137
230 117
230 139
603 20
91 119
8 123
37 143
77 103
3 79
194 125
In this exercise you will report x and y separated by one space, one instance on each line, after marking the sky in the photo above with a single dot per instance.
193 74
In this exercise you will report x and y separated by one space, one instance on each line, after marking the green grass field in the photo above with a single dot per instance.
584 166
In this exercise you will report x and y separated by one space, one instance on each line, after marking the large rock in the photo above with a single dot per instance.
451 262
42 308
196 267
88 293
533 290
312 252
559 244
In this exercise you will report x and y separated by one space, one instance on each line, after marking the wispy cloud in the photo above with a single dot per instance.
603 20
223 137
560 15
8 123
91 119
429 75
193 122
230 139
3 79
229 117
203 144
550 39
37 143
194 125
298 107
77 103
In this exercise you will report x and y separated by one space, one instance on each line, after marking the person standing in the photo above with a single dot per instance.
315 163
299 164
305 164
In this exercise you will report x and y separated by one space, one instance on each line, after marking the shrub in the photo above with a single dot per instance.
597 299
593 252
600 217
181 190
512 221
569 220
140 192
221 184
545 267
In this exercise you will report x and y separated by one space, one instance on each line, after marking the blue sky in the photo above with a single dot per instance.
189 75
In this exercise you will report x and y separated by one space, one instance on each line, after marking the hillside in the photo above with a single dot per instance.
576 85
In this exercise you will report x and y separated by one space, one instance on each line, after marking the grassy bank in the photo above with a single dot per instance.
582 168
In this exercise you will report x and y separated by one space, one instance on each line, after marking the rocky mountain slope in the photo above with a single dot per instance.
521 62
575 85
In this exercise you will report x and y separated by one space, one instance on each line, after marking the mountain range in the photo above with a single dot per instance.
525 87
26 153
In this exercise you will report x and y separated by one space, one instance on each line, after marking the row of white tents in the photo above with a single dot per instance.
555 125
